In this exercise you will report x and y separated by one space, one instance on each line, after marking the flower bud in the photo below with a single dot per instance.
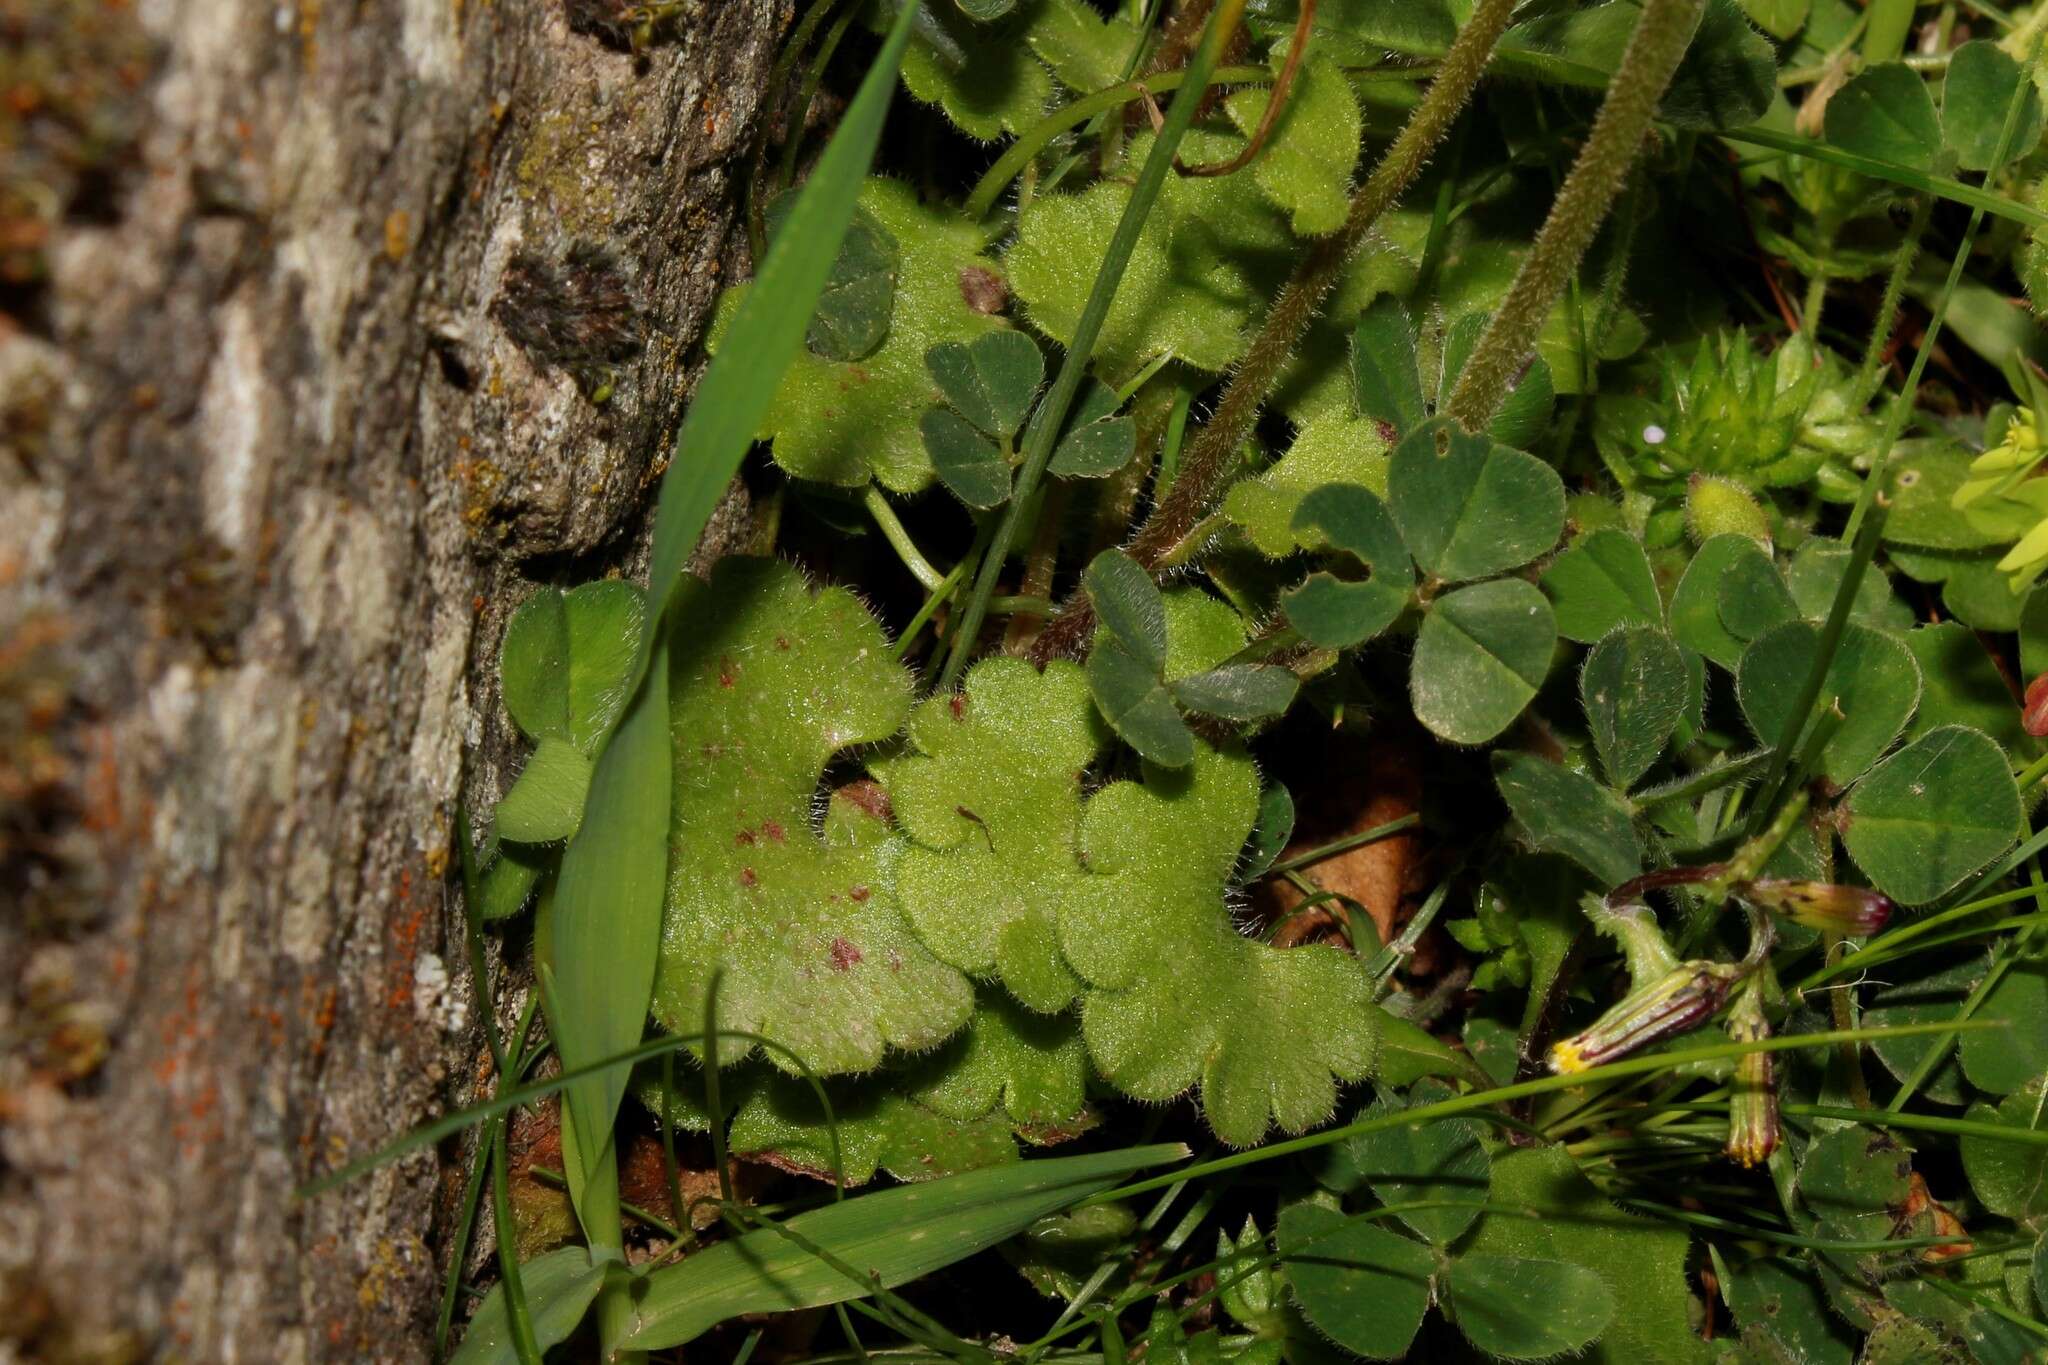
1681 999
1851 911
1753 1105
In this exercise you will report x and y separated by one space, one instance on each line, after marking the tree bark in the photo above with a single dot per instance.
351 323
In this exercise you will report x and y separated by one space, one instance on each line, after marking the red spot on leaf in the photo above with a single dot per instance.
859 894
844 955
773 829
782 642
747 877
727 673
745 838
957 704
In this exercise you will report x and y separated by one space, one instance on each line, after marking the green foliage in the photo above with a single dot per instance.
847 422
992 917
1931 814
1306 169
1480 657
990 798
770 683
1363 1287
1176 995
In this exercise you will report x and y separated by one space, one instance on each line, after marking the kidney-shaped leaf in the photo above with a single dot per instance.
1479 659
1933 813
1474 508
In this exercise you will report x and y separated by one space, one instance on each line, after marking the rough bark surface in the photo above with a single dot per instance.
298 396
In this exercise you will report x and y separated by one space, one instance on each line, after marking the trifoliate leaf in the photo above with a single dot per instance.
1360 1285
1932 814
2007 1060
1932 995
1633 689
769 682
2009 1178
1240 692
995 85
1600 583
565 661
1190 286
990 797
1338 612
1872 678
846 423
1479 659
1561 811
1696 602
1975 98
1522 1309
1306 165
1961 685
1386 376
1440 1161
1176 995
546 804
859 301
1330 449
991 381
1129 606
1471 508
1133 699
1885 112
1095 442
1817 571
1032 1066
1559 1216
967 462
879 1128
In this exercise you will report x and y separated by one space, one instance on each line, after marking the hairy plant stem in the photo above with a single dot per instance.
1296 306
1661 34
1872 369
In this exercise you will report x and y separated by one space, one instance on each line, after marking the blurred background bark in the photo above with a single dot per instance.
325 332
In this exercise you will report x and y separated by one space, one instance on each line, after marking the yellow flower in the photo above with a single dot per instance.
2001 498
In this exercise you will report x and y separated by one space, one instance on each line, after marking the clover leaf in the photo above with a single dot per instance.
990 797
802 929
845 422
1872 678
991 386
1468 507
1176 995
1480 657
1633 691
1601 583
1335 612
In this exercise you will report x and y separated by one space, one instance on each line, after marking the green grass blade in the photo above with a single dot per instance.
889 1238
1974 196
604 928
559 1285
1543 1085
1074 368
737 389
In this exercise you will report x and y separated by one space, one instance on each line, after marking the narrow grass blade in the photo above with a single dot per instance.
559 1287
604 929
890 1238
1956 190
737 389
